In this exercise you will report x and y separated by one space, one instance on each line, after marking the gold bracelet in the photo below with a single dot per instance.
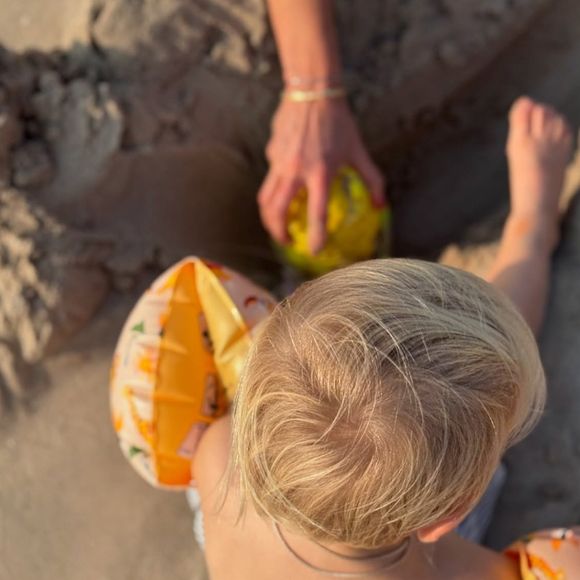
299 96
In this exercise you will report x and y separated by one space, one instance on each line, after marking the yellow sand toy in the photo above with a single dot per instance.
177 363
355 228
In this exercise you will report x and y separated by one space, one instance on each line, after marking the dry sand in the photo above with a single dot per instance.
71 507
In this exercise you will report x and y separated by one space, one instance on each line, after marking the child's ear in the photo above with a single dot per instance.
434 532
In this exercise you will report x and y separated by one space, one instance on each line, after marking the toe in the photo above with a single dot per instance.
558 128
540 119
520 115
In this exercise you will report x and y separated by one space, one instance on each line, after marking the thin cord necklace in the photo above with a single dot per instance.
396 556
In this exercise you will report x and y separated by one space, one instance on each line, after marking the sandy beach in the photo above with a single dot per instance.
70 506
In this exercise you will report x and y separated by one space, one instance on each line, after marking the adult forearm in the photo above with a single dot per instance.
306 36
314 132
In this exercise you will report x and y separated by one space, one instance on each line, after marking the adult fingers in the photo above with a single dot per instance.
371 176
268 188
318 184
275 210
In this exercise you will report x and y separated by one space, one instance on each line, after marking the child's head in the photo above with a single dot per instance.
378 400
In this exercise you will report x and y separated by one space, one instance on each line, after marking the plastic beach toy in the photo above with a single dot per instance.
355 228
177 363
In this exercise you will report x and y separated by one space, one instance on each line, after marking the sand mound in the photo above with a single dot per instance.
51 281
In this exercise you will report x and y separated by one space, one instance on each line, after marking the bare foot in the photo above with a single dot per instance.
539 148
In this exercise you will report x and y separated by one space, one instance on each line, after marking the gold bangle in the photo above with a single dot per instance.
299 96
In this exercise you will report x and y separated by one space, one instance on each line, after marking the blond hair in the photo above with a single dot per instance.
379 399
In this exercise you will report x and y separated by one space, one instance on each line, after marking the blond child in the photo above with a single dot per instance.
378 400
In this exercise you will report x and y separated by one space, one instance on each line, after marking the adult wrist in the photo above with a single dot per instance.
312 82
295 95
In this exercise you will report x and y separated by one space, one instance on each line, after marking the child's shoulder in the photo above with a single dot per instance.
212 456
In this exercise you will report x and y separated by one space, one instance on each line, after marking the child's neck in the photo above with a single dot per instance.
348 552
407 559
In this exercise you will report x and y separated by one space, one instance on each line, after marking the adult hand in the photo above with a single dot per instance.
310 142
